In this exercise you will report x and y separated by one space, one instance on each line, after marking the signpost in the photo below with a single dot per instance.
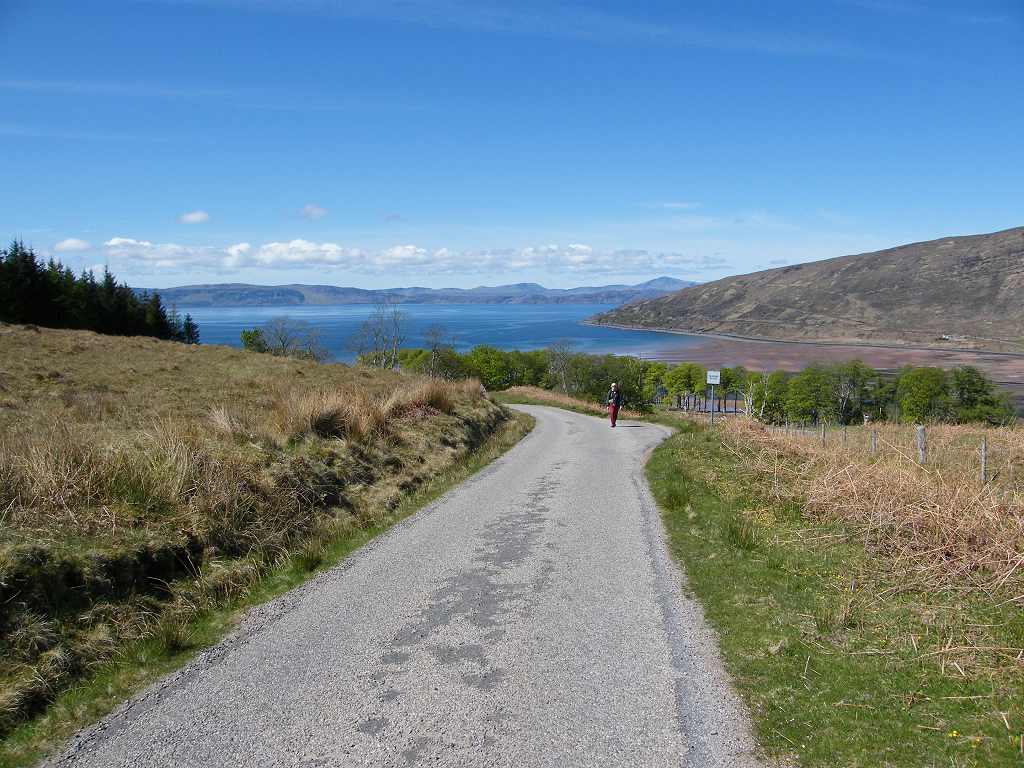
714 377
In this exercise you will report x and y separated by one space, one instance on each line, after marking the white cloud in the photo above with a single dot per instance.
235 254
71 245
194 217
313 211
303 253
143 253
575 258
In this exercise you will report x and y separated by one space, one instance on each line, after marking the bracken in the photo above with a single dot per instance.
937 522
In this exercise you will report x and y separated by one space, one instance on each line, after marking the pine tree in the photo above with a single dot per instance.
190 330
49 294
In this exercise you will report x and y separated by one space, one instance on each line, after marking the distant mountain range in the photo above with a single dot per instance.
242 295
965 291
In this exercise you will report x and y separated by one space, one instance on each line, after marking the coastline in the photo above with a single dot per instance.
766 340
760 354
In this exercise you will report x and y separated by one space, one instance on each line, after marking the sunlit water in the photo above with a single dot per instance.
507 326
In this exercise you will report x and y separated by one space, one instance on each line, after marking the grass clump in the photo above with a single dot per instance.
738 531
174 633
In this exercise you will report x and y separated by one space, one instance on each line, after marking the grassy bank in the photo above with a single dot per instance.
846 655
150 491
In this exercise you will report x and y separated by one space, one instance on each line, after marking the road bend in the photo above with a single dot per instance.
530 617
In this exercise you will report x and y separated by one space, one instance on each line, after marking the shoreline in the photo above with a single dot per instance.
759 354
765 340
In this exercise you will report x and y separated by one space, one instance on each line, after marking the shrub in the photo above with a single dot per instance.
923 395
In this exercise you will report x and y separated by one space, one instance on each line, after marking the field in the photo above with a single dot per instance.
144 483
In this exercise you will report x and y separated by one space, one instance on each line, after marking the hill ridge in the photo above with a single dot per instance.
965 290
293 294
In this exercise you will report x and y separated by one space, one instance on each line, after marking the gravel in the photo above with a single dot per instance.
530 617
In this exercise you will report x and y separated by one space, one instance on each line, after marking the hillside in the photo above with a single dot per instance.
969 289
145 482
243 295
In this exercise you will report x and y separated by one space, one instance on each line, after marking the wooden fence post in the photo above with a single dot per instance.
922 445
984 460
874 441
844 435
823 433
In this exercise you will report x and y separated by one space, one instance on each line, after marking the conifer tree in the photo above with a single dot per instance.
190 330
50 295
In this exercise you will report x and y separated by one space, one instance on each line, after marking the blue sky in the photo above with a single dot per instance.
440 142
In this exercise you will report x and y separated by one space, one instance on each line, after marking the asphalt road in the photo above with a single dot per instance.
530 617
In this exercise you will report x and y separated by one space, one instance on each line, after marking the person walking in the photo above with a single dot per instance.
614 403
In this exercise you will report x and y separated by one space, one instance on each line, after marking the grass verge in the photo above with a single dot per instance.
178 640
843 659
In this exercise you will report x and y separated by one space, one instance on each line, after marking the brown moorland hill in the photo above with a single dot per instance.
953 292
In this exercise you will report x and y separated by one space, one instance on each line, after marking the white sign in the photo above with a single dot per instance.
714 377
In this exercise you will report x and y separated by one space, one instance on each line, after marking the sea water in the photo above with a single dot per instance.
506 326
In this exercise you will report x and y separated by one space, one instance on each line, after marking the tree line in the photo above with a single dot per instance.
51 295
839 393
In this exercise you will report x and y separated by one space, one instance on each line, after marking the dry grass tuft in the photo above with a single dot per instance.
174 632
351 413
936 522
222 421
438 394
348 414
32 635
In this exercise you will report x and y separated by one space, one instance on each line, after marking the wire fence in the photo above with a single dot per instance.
729 403
994 456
